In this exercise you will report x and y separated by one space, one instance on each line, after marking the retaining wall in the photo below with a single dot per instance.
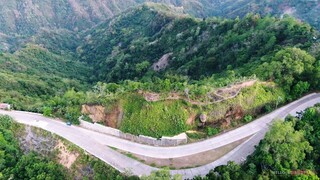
164 141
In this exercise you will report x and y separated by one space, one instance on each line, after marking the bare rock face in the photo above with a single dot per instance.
97 113
233 114
203 118
162 63
33 139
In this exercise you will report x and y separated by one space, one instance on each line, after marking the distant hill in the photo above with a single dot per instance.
27 17
20 19
305 10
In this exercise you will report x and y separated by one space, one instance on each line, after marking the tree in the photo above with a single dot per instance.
300 88
47 111
32 166
230 171
142 67
288 67
283 148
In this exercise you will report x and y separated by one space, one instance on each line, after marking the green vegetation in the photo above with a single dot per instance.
206 56
212 131
290 150
200 48
16 165
156 119
164 117
32 75
247 118
163 174
19 23
42 73
294 69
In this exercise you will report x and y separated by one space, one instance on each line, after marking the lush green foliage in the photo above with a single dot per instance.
200 48
247 118
14 164
67 106
32 166
18 20
294 69
283 148
207 54
164 117
33 74
212 131
290 150
310 125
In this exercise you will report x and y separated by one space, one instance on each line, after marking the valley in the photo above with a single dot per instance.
214 72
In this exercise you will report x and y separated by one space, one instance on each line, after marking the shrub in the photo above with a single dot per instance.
212 131
47 111
247 118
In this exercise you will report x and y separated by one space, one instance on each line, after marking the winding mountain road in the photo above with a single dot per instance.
98 144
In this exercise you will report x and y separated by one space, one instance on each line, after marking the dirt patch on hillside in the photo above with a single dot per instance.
233 90
66 158
191 119
114 117
154 97
151 97
97 113
219 95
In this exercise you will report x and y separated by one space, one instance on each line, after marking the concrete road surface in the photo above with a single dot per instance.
97 143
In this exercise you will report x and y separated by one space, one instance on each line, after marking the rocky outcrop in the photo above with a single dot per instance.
233 114
111 118
33 139
96 113
162 63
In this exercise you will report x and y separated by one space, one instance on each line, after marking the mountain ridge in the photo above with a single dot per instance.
21 19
